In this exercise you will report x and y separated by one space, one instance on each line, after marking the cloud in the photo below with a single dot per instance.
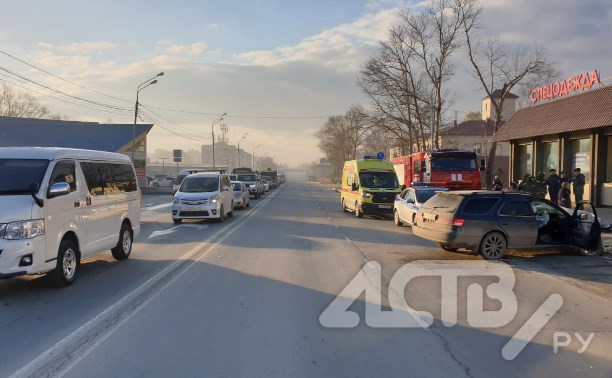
87 47
45 45
213 26
345 46
191 50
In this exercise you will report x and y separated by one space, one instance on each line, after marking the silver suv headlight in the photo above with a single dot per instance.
176 199
214 199
24 229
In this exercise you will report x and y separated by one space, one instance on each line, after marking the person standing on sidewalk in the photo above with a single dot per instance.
563 197
578 181
554 185
498 184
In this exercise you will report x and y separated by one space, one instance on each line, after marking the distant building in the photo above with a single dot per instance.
35 132
475 135
226 155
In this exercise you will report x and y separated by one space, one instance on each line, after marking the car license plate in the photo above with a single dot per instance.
384 206
193 209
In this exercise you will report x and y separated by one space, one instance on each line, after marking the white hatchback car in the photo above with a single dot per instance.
203 196
241 195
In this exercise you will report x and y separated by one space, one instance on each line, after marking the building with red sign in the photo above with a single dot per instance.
570 132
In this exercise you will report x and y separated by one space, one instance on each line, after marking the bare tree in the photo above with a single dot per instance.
341 137
23 105
473 116
498 66
405 80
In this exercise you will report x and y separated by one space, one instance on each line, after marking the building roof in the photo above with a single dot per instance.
53 153
34 132
583 111
497 94
474 127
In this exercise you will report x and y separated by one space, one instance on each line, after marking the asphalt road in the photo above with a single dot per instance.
246 298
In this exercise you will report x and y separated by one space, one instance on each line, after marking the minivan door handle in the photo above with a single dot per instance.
77 203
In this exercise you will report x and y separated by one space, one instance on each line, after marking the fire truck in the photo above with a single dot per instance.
451 168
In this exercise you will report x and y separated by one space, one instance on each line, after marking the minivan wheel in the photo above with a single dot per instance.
358 213
221 215
396 219
65 271
493 246
231 213
344 209
124 245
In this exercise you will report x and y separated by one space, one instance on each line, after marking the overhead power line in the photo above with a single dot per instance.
58 98
61 78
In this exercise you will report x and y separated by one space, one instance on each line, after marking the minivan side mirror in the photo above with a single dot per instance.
354 187
58 189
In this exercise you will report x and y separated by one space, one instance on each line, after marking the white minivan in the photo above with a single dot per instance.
202 196
59 206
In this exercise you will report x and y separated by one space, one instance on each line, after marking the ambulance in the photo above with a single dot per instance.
369 186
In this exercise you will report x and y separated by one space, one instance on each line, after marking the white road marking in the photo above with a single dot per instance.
87 346
156 207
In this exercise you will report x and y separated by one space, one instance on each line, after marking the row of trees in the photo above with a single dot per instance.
407 81
23 105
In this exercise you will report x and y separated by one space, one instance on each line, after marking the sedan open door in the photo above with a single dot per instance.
586 230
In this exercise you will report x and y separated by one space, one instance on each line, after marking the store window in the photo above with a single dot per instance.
581 158
550 156
525 155
609 159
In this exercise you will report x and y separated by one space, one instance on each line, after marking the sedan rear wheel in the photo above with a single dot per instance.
493 246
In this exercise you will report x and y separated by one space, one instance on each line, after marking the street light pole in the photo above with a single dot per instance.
253 156
244 136
142 86
212 132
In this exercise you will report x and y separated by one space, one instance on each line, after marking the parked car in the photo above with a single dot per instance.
408 202
63 205
202 196
266 184
492 222
162 182
241 195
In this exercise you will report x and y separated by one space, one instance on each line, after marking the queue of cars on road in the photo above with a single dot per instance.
213 195
484 222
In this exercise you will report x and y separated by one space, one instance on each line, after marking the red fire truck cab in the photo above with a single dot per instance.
451 168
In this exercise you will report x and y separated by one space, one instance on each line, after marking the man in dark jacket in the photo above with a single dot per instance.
578 184
554 185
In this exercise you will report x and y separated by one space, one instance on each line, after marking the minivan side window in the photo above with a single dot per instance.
63 172
106 178
479 205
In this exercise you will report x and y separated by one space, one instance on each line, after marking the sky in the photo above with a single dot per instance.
278 68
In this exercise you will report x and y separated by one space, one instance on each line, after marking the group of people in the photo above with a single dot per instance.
558 187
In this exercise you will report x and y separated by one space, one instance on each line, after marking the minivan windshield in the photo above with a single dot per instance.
247 177
19 174
200 184
237 186
386 180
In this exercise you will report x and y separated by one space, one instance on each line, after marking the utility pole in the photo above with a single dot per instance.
164 165
212 130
